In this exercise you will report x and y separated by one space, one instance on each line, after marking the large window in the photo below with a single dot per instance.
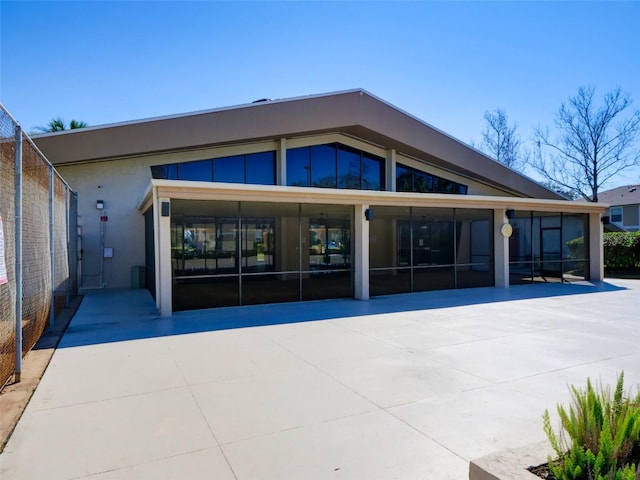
253 168
334 166
417 249
412 180
548 247
242 253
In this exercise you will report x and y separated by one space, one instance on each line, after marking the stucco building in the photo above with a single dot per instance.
325 196
624 210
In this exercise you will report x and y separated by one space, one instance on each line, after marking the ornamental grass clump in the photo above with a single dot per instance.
603 433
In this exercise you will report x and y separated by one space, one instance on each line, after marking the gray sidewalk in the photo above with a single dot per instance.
408 386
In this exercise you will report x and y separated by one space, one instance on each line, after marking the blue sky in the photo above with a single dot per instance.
444 62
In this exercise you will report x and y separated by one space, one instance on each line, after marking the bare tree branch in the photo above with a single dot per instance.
592 145
500 140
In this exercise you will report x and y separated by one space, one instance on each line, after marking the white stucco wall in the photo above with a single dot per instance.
119 184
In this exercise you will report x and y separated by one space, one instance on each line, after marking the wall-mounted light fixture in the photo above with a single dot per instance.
604 219
510 214
165 209
369 214
100 204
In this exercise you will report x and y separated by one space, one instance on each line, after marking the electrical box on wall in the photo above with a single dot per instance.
107 252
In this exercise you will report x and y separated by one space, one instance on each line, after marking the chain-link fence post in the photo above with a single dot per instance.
52 253
18 250
66 216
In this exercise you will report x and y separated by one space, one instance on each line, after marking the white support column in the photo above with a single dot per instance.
156 245
501 249
391 170
162 240
361 250
281 162
596 248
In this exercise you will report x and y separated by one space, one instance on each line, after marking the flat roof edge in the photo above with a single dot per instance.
268 193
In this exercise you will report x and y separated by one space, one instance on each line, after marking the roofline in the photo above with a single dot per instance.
354 112
215 110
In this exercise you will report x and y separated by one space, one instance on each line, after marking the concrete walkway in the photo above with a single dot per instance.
407 387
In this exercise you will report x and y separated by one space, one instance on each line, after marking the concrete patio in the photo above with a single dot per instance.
407 387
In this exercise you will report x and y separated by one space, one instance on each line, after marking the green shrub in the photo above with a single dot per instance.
576 248
604 435
622 250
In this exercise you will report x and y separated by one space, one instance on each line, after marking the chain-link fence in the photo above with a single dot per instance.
38 212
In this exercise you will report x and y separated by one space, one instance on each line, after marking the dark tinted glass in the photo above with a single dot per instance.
440 185
520 240
324 285
196 171
166 172
474 276
389 281
261 168
389 237
411 180
433 278
323 166
372 172
474 236
433 236
520 273
348 168
404 179
229 169
299 167
270 288
258 244
195 293
574 238
422 182
575 271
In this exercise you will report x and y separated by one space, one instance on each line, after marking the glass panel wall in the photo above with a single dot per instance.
199 171
260 168
575 247
390 251
270 253
227 169
409 179
334 166
204 254
548 247
254 168
521 249
230 253
418 249
326 239
550 250
373 172
474 248
433 249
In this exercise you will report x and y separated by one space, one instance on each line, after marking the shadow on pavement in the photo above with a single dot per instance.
121 315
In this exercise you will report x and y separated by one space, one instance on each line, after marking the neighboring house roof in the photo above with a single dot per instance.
354 112
625 195
612 227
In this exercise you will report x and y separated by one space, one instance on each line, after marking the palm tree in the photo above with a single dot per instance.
77 124
57 124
